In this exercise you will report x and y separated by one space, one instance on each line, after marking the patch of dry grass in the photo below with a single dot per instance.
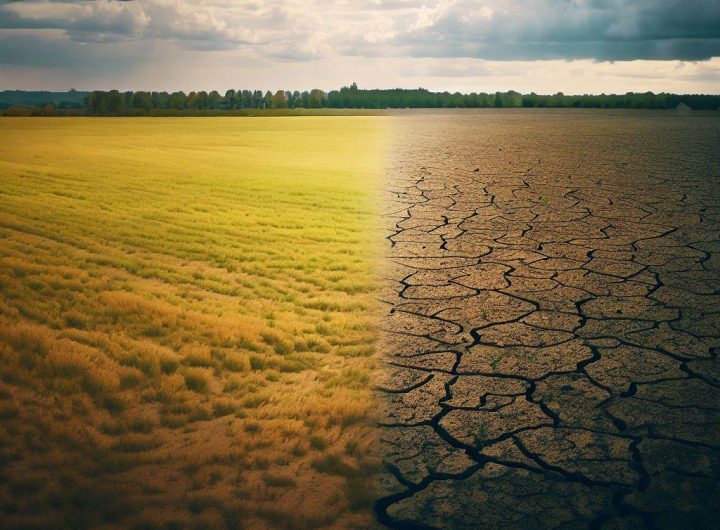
186 321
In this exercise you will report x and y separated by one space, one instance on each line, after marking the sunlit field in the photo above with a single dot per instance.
186 321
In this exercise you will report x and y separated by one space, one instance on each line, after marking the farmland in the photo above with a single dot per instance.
186 321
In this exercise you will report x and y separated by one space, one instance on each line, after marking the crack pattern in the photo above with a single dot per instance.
552 294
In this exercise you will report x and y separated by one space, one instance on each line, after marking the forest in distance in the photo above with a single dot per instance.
142 103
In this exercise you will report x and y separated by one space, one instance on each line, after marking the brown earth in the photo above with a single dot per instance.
552 286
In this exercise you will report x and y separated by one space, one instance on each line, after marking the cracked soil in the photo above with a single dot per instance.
550 331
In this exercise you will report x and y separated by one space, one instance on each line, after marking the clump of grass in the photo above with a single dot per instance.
351 447
76 320
257 362
200 413
224 407
235 362
197 380
198 502
131 378
279 345
113 428
174 421
114 403
349 378
275 480
318 442
255 401
141 424
272 376
136 443
197 356
154 331
232 384
299 449
333 464
252 427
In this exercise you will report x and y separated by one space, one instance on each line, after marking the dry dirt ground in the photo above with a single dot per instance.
552 291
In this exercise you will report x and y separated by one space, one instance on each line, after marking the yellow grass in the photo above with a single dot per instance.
186 321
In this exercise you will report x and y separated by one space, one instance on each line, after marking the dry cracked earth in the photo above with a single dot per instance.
551 338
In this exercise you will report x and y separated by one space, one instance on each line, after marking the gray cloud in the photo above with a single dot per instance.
77 19
47 52
571 29
449 38
498 30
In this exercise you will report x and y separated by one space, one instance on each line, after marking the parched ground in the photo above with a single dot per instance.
553 299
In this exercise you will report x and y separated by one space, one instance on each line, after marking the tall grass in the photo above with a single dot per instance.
186 305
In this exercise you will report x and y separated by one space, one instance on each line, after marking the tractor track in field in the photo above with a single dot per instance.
551 337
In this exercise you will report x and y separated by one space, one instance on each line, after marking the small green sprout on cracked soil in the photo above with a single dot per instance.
480 434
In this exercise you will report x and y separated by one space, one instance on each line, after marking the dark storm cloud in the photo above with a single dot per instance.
47 53
545 29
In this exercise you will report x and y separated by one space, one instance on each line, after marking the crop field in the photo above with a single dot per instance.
186 321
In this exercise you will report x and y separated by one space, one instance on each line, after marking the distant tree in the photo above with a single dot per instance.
257 99
214 100
191 100
142 100
243 98
267 100
247 99
317 99
159 100
203 101
177 100
278 100
230 99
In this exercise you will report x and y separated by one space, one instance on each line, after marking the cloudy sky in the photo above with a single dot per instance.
577 46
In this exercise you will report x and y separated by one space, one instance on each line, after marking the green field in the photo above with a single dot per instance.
186 321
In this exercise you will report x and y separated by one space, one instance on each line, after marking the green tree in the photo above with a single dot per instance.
257 99
214 100
142 100
279 100
230 99
317 99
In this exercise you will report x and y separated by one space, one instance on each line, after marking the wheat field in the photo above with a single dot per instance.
186 321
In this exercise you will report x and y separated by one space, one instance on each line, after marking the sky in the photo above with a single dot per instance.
545 46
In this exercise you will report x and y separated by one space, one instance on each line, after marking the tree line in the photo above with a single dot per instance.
71 99
354 98
114 102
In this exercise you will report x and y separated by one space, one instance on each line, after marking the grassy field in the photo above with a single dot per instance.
27 111
186 321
